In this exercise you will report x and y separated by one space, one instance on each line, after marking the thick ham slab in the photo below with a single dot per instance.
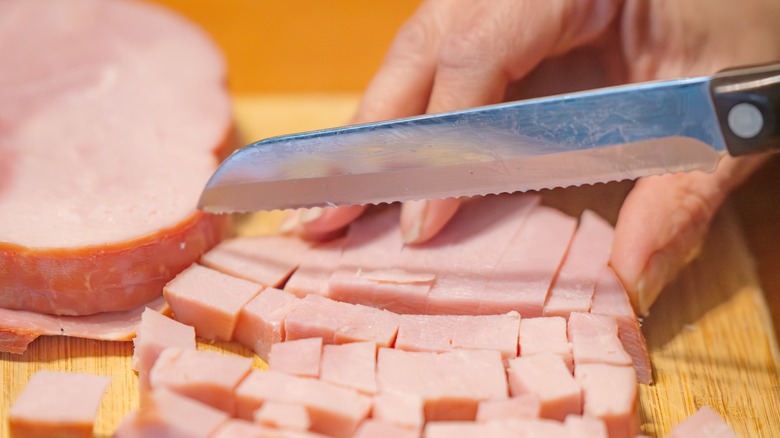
110 118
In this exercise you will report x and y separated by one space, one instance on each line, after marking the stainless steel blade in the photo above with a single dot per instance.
583 138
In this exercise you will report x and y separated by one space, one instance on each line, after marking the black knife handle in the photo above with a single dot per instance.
747 101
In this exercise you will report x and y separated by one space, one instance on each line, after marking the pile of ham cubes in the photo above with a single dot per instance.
509 323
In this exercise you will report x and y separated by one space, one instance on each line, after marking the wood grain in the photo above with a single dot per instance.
711 337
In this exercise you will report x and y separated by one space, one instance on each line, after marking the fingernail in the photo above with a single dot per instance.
290 222
311 215
413 211
653 280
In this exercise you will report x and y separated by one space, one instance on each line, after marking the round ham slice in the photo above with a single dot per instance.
112 114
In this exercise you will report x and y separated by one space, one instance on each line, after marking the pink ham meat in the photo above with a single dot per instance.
704 423
156 333
57 404
267 260
520 406
209 300
333 410
594 339
585 427
588 254
403 410
440 333
206 376
545 335
261 321
103 220
337 323
546 376
450 384
19 327
289 416
611 299
314 269
379 429
350 365
609 393
299 358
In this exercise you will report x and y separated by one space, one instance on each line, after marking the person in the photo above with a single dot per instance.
455 54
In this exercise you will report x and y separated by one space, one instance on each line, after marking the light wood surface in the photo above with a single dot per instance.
711 337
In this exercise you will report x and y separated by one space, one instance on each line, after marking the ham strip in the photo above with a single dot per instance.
57 404
314 270
156 333
261 321
18 328
103 220
350 365
545 335
609 393
594 339
546 376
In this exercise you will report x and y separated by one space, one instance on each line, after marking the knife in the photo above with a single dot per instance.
602 135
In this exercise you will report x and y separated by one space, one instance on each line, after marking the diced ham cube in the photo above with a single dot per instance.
336 322
609 393
209 300
168 414
57 404
352 365
594 339
585 427
380 429
704 423
404 410
523 276
266 260
333 410
545 335
235 428
546 376
300 357
206 376
440 333
588 253
279 415
527 428
315 269
520 406
611 299
261 321
155 333
450 384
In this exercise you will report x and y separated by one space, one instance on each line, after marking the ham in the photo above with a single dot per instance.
18 328
350 365
103 220
206 376
299 358
379 429
705 423
609 393
261 321
585 427
401 409
156 333
314 269
286 416
520 406
209 300
594 339
588 254
545 335
57 404
546 376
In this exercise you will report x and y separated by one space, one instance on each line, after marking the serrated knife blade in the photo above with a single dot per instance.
603 135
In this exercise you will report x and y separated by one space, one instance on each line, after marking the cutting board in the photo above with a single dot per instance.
710 335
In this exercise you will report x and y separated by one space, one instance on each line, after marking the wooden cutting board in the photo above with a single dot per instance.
711 337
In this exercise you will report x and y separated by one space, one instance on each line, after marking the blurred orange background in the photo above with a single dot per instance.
299 46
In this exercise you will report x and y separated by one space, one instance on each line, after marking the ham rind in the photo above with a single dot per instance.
157 332
102 221
299 358
546 376
609 393
585 427
594 339
611 299
315 268
704 423
267 260
333 410
18 328
440 333
379 429
57 404
337 323
261 321
351 365
206 376
588 253
523 276
404 410
520 406
450 384
209 300
545 335
167 414
289 416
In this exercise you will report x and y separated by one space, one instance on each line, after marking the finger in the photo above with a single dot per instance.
421 220
319 223
663 222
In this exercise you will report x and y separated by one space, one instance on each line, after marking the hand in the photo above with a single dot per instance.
455 54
